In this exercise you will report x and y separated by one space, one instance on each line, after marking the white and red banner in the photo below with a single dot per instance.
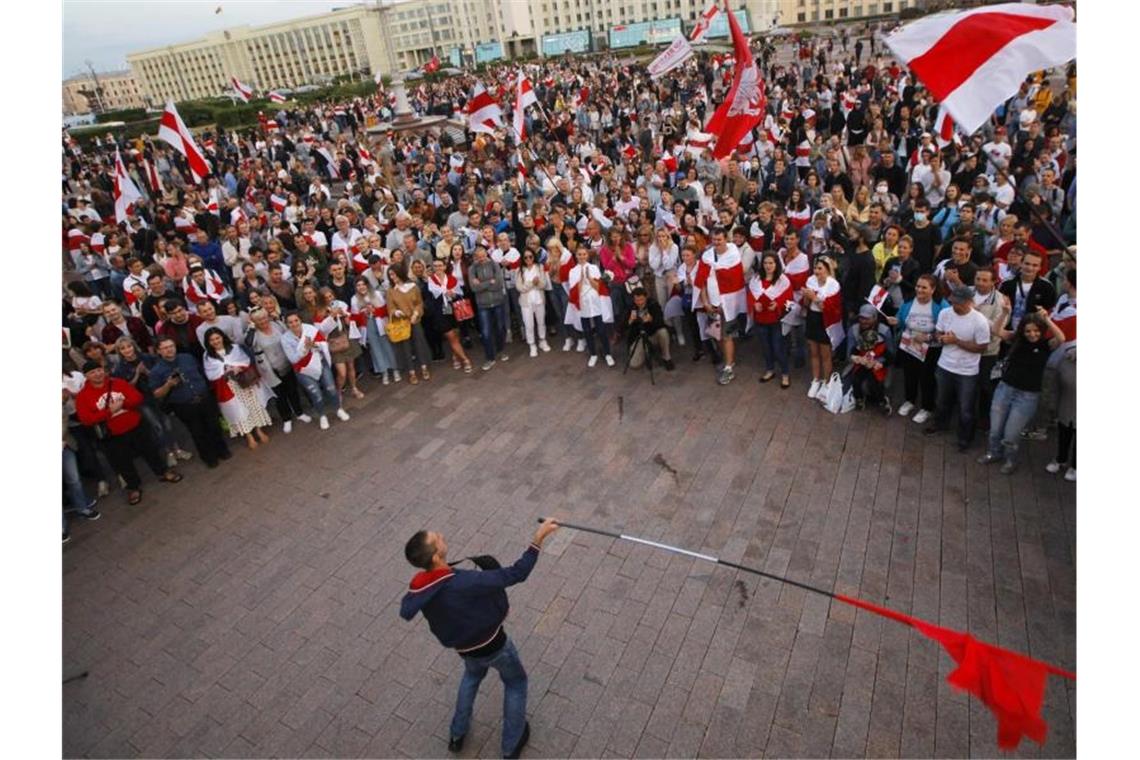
173 131
276 97
743 108
671 57
703 22
524 96
483 113
974 60
244 92
126 192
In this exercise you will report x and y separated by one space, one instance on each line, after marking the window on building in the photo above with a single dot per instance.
888 7
842 13
828 13
801 17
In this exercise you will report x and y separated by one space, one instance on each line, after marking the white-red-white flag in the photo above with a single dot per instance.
524 96
697 143
278 202
522 175
152 177
126 192
483 113
244 92
743 108
671 57
703 22
878 296
944 132
173 131
974 60
276 97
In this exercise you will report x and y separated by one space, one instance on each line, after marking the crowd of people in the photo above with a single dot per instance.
843 236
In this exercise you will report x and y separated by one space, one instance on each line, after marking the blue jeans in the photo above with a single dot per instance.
491 330
963 389
379 349
503 314
1012 410
314 389
73 485
158 424
775 347
510 668
557 298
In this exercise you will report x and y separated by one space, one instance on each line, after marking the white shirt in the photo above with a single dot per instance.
971 327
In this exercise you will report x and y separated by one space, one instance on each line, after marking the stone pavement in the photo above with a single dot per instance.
251 610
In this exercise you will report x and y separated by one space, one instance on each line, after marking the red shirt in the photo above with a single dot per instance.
91 405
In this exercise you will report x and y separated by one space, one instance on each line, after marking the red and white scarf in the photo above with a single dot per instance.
212 290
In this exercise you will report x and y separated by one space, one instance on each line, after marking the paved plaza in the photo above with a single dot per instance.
251 610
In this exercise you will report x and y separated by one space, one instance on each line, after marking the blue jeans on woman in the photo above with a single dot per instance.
511 671
379 349
73 486
597 332
775 347
491 330
1011 411
320 391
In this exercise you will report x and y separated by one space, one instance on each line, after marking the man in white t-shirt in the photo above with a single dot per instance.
965 334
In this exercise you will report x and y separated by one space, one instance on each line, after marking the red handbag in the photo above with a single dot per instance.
461 309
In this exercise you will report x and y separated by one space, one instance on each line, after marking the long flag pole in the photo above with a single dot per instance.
1011 685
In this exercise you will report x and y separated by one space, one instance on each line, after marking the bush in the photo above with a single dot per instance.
125 115
237 116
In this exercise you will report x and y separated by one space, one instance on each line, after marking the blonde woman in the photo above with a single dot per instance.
664 256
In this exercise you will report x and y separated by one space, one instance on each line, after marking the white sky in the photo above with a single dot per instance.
104 31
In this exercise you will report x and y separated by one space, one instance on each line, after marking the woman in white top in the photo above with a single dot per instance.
370 315
664 256
818 288
590 306
306 347
242 408
531 285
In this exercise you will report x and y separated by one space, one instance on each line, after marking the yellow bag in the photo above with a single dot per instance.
399 329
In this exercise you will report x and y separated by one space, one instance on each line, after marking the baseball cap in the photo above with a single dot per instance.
90 365
867 311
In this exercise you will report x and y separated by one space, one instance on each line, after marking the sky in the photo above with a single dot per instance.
104 31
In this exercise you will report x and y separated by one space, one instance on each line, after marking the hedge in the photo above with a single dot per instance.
124 115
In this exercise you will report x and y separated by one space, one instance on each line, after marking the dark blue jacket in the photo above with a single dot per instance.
465 608
211 254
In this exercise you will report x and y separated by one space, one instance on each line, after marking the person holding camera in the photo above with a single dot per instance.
646 327
176 380
465 610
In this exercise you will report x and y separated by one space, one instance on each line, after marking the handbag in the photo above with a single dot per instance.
338 338
461 309
399 330
249 376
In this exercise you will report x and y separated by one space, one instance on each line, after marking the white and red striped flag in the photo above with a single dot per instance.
703 22
697 142
153 177
244 92
878 296
173 131
522 175
126 192
214 204
1065 317
974 60
524 96
278 202
483 113
944 128
744 106
276 97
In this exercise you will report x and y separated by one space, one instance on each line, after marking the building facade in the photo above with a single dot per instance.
112 91
821 11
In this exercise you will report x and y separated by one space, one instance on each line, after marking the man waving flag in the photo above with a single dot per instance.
974 60
744 106
704 22
126 192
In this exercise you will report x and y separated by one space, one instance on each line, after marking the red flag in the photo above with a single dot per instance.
744 106
432 65
1009 683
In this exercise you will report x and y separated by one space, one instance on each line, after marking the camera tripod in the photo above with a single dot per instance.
641 338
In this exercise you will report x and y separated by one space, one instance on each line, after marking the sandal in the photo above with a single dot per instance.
357 393
171 477
767 376
455 364
785 383
134 497
413 379
425 373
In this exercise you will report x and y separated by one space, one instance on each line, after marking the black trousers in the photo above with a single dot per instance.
918 373
201 419
866 386
288 395
985 389
123 449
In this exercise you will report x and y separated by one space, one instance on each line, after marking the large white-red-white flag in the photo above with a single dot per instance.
126 192
524 96
244 92
704 22
743 108
173 131
671 57
276 97
974 60
483 113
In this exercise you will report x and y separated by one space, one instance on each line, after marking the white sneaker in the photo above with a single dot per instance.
1053 468
1071 474
304 418
396 376
504 358
922 416
171 460
533 350
384 379
592 361
287 426
680 339
342 415
814 389
508 338
544 346
906 409
609 360
569 344
581 345
324 422
103 489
